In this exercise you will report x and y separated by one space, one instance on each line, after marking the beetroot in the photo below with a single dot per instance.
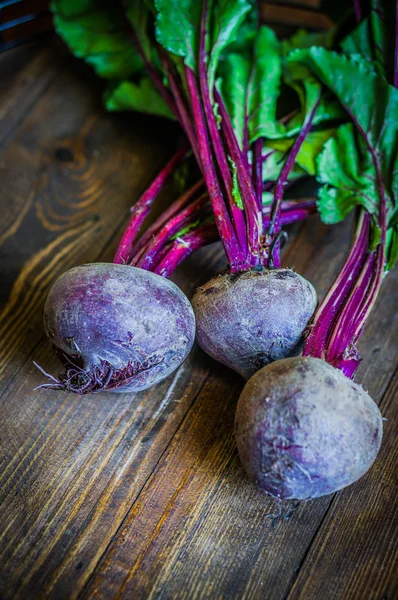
249 319
304 430
117 328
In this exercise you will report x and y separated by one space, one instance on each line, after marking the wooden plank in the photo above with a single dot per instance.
26 72
313 4
294 16
74 467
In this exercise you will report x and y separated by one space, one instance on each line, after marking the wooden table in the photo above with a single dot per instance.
142 496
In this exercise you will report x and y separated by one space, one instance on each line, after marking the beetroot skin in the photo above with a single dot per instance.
250 319
117 328
304 430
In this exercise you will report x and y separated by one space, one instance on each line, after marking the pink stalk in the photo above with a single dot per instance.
221 215
153 72
257 170
371 296
238 218
208 234
357 9
366 276
183 113
184 246
183 219
141 209
341 339
275 226
316 341
161 221
253 214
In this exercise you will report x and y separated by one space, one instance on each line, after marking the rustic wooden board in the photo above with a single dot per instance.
139 496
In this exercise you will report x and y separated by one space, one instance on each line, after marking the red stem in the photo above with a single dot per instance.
163 91
238 218
207 234
316 343
183 114
253 214
373 291
141 209
357 9
183 219
275 226
342 338
170 212
257 170
221 215
183 247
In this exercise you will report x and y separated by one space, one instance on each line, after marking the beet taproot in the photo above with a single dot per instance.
117 328
252 318
304 430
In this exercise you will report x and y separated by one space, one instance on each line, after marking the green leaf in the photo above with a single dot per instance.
273 164
311 148
309 90
264 85
226 19
178 28
359 41
142 97
304 39
335 204
349 177
250 81
232 84
364 94
373 40
383 41
309 151
267 198
96 34
329 109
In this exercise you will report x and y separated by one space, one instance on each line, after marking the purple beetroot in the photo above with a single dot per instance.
304 430
252 318
117 328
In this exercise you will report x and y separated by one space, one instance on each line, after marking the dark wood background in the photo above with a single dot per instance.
142 496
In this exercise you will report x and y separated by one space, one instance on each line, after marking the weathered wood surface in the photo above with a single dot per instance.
139 496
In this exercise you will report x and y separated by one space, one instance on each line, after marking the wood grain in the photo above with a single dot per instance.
142 496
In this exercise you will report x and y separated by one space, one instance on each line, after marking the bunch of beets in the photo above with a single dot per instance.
257 113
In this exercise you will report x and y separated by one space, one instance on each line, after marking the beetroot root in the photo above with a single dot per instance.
117 328
304 430
250 319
